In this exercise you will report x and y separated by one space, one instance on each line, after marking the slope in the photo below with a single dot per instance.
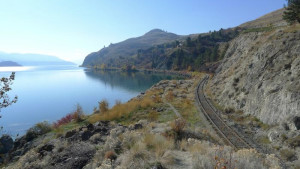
120 52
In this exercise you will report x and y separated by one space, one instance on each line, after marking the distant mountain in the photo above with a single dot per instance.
33 59
8 64
117 54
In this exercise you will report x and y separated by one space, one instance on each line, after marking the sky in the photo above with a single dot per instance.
71 29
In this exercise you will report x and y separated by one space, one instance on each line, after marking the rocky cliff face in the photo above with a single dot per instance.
260 75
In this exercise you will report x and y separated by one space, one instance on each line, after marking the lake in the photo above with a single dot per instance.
49 93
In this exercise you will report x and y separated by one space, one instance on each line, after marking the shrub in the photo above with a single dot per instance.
37 130
78 114
288 155
146 102
294 142
170 96
64 120
157 143
153 115
111 155
229 110
103 106
157 99
178 125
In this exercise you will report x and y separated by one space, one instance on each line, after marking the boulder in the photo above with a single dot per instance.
70 134
6 144
294 123
86 135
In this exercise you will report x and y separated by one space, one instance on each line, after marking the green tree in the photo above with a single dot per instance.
5 86
189 42
292 11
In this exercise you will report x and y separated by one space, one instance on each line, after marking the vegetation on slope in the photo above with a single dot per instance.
189 54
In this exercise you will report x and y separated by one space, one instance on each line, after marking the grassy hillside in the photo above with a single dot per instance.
181 53
118 53
270 19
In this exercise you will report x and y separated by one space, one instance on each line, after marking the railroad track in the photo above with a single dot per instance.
230 136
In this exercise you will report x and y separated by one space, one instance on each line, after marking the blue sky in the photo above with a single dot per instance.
71 29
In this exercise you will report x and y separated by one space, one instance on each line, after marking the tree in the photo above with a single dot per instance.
5 86
103 106
189 42
292 11
103 66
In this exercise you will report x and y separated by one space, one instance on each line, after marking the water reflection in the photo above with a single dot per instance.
132 81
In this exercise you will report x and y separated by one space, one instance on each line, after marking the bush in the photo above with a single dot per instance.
229 110
111 155
294 142
103 106
37 130
170 96
288 155
64 120
153 115
78 114
177 127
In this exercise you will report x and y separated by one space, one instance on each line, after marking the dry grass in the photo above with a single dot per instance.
292 28
157 144
123 110
170 96
206 155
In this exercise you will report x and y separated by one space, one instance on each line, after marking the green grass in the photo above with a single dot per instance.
264 140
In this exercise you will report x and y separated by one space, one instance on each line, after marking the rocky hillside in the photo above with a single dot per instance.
159 129
260 74
118 54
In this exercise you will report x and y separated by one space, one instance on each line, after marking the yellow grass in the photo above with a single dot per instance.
123 110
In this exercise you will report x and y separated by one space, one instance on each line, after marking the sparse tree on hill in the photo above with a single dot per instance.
292 11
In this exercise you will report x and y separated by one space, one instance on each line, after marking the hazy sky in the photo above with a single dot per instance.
71 29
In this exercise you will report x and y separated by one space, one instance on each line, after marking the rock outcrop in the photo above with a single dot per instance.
260 75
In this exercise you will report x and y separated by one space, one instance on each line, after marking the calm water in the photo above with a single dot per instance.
49 93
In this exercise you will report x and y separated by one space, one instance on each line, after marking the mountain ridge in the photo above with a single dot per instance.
129 47
29 59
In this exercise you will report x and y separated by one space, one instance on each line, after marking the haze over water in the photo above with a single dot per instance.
49 93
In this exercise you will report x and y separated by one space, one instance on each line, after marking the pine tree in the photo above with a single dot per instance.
292 11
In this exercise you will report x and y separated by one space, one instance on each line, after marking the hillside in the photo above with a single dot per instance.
8 63
255 90
270 19
33 59
117 54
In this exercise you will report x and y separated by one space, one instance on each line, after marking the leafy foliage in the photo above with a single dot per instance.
77 116
37 130
292 11
5 86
